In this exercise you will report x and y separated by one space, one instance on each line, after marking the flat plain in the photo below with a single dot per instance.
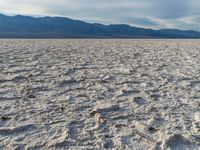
100 94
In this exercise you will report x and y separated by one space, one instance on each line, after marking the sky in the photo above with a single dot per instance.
156 14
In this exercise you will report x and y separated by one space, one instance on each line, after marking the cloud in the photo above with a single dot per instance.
146 13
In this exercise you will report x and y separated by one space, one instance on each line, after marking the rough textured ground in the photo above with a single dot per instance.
100 94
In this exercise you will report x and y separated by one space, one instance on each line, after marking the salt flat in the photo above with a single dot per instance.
100 94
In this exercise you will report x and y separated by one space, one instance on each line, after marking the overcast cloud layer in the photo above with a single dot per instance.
183 14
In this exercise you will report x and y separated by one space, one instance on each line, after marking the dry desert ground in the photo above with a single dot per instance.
99 94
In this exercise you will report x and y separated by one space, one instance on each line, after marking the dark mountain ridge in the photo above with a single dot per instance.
60 27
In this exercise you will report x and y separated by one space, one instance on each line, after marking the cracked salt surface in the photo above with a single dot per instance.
100 94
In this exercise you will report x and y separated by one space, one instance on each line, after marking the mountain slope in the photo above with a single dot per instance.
60 27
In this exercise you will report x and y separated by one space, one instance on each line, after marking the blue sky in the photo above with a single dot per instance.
182 14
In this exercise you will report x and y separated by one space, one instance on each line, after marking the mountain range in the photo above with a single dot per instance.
60 27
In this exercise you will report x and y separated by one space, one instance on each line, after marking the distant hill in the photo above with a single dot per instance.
60 27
